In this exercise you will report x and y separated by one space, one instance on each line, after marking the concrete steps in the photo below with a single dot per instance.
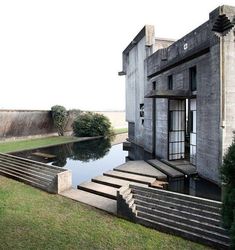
114 182
30 172
99 189
131 177
166 169
182 166
141 168
190 217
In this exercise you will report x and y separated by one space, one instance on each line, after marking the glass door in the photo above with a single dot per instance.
176 129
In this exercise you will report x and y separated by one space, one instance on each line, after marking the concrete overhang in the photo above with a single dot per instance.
181 94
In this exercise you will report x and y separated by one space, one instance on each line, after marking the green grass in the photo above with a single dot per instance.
19 145
33 219
120 130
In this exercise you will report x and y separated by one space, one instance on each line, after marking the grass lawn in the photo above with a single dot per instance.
120 130
33 219
18 145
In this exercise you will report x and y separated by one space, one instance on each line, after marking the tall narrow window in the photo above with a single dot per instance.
170 82
154 85
193 78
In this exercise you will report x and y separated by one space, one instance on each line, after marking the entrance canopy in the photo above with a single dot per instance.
168 94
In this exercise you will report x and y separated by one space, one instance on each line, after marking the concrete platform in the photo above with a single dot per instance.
182 165
99 189
166 169
131 177
141 168
115 182
97 201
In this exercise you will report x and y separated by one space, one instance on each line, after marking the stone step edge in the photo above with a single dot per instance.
182 233
126 178
32 166
175 200
28 169
183 226
23 176
22 179
87 189
16 170
213 221
179 195
179 218
192 210
145 175
31 161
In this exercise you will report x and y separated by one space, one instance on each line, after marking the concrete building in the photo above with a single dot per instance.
180 95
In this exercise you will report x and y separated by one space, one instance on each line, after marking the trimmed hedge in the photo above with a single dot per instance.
92 124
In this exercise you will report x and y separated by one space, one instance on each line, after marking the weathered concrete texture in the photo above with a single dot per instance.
97 201
96 188
182 166
49 178
141 168
114 182
169 171
209 50
131 177
34 123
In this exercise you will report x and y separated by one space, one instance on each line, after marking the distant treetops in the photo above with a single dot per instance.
85 124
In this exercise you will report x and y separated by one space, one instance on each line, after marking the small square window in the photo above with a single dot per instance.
170 82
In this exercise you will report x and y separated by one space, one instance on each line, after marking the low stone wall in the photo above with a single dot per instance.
16 124
23 123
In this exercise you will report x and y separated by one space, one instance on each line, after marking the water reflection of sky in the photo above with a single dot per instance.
84 171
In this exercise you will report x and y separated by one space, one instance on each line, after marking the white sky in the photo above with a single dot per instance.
69 52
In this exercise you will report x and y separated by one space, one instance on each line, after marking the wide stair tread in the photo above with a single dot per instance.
183 233
141 168
166 169
99 189
131 177
182 166
114 182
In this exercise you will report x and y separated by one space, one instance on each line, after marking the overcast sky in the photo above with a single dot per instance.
69 52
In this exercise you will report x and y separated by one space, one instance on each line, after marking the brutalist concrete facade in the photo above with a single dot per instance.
180 96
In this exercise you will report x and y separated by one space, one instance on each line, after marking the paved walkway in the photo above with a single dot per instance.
97 201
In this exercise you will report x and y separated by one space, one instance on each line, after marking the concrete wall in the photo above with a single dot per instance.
23 123
33 123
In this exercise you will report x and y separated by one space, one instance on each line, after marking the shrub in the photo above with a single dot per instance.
60 118
228 177
92 124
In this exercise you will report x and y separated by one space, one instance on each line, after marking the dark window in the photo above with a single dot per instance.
170 82
154 85
171 121
193 78
191 121
141 110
